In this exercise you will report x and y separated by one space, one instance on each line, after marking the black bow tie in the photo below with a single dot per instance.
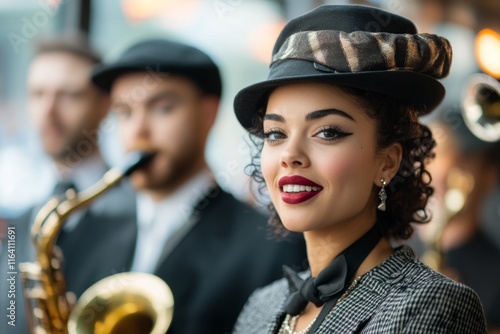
332 281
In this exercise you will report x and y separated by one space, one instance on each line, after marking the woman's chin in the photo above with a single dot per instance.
296 226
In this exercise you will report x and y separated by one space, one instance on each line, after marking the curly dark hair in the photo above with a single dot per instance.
409 190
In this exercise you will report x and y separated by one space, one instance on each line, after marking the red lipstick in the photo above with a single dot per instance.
296 189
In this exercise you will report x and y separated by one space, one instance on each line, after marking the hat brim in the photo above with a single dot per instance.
104 75
415 88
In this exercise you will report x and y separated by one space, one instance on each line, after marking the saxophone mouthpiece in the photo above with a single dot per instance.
135 160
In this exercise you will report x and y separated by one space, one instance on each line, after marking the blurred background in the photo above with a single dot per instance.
238 34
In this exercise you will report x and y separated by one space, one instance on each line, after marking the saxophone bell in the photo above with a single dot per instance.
123 303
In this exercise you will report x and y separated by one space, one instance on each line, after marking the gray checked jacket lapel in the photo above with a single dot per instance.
353 314
352 322
401 295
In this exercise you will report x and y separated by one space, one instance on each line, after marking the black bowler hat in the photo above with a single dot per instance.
165 57
357 46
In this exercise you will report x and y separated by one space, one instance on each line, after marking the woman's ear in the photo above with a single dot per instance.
390 160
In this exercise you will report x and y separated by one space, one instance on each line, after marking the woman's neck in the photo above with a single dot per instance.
323 247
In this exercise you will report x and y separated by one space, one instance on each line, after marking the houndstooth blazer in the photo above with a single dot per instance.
401 295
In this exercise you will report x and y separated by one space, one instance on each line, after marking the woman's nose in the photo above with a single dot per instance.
294 155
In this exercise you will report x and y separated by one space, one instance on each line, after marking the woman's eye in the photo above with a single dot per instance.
273 136
332 133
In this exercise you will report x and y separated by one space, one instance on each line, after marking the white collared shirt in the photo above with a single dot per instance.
158 221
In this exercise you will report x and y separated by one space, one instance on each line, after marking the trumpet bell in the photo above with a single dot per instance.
481 107
124 303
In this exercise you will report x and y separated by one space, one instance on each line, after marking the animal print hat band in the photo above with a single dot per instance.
356 46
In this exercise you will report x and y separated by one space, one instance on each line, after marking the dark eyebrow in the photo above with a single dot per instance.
325 112
274 117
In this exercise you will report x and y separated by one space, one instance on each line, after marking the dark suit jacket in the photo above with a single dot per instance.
401 295
222 254
214 267
100 245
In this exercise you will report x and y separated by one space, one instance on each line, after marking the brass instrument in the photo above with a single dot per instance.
458 186
481 113
141 303
481 107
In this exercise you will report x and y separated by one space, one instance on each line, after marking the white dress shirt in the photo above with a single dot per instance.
159 221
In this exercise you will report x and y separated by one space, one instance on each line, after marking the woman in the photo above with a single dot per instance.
344 161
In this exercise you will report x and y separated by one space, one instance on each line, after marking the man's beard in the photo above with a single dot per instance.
73 151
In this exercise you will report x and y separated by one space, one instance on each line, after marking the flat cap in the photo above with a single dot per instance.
162 56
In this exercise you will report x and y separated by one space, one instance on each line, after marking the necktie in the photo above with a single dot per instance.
332 281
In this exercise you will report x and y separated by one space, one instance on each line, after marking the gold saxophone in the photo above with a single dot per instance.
121 303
